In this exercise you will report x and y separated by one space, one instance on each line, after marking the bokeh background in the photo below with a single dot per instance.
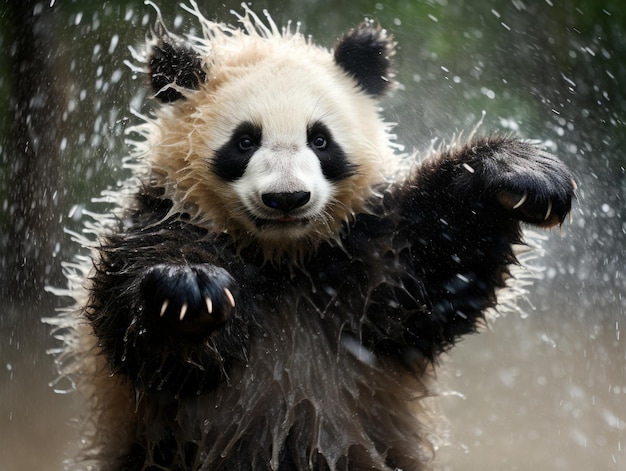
544 388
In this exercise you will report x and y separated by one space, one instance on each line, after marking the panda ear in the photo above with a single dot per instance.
366 54
173 66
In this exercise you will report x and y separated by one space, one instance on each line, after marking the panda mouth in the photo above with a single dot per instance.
283 221
286 219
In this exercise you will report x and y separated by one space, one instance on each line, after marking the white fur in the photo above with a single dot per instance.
284 168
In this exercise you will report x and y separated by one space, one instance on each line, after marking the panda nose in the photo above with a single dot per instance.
286 201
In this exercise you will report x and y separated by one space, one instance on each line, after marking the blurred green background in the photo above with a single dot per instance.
544 389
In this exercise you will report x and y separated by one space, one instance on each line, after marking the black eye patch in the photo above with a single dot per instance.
335 163
232 158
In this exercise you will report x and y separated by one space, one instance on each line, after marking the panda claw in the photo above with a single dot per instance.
183 311
164 307
521 201
549 211
230 297
209 305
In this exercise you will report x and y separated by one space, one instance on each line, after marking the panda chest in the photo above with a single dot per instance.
299 348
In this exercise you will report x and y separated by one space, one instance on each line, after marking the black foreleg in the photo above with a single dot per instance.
458 217
165 308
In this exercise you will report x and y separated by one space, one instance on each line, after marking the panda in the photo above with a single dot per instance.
279 281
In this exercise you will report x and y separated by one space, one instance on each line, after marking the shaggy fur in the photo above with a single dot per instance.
236 321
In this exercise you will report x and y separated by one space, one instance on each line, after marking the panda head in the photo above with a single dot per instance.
266 136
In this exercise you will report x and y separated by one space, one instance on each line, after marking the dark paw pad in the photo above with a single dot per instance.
187 300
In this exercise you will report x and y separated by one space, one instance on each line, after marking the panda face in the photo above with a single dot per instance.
280 151
284 184
273 140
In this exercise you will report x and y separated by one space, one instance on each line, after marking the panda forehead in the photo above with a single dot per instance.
284 103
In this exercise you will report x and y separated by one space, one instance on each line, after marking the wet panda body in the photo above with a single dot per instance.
272 296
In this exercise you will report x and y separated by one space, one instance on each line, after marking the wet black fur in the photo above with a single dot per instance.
171 62
410 278
366 54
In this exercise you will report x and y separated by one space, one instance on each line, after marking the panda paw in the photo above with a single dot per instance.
187 301
531 185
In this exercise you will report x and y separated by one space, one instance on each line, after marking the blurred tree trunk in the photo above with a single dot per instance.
32 156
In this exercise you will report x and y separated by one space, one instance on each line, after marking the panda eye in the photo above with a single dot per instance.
245 143
319 142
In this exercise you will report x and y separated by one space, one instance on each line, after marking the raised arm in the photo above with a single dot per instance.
457 218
